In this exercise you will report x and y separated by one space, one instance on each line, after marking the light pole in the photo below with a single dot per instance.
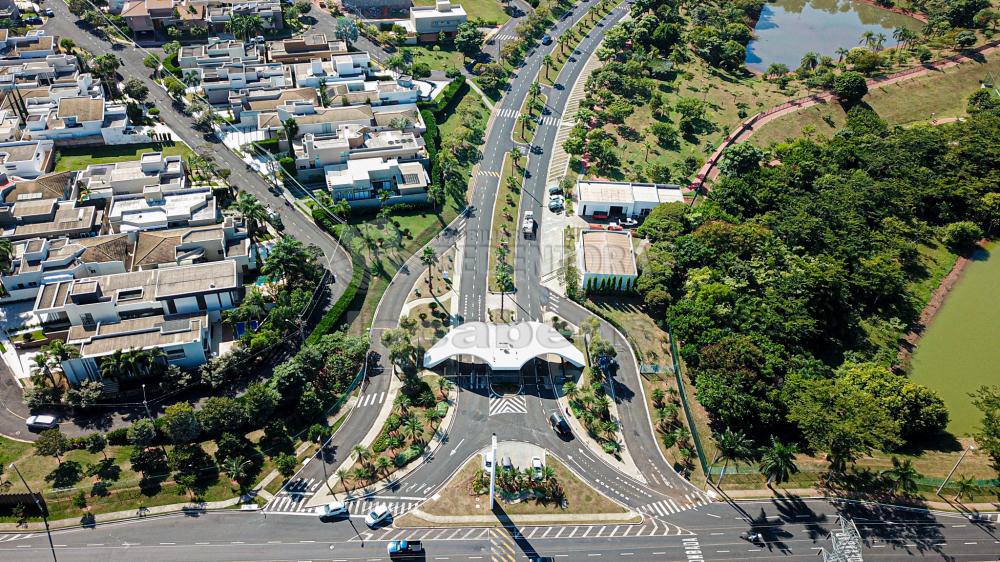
41 510
145 404
954 468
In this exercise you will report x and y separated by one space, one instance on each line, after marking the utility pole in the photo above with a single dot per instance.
145 404
41 510
954 468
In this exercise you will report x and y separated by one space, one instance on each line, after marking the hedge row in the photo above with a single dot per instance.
331 318
442 101
170 63
270 145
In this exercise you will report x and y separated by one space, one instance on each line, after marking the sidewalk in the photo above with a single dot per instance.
797 494
543 519
188 507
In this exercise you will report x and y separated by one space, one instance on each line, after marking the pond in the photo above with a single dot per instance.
788 29
959 351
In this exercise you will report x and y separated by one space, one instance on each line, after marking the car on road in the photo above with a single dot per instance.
536 468
42 421
49 13
559 425
377 515
405 550
332 509
546 39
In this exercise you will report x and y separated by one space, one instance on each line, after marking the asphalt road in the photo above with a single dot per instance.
792 531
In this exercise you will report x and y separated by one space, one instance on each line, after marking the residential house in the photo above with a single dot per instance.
269 11
185 340
51 187
10 128
49 218
153 169
623 199
323 72
145 17
185 289
362 182
34 44
183 246
327 120
306 48
34 73
606 259
156 208
248 105
9 11
377 9
353 142
37 261
428 23
219 84
26 159
216 53
74 118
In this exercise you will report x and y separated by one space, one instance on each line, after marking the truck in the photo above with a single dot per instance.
405 550
528 226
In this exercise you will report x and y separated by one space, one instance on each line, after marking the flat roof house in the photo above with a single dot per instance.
26 159
49 218
185 340
427 23
153 169
362 181
623 199
606 260
156 208
218 52
75 118
187 289
339 68
306 48
220 84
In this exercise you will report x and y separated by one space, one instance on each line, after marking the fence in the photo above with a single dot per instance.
687 407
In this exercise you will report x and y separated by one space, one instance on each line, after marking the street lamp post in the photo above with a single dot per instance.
41 510
954 468
145 404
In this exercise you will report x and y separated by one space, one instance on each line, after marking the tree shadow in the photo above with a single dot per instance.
65 475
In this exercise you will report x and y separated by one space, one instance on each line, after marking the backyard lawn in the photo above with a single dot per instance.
80 158
489 10
943 93
443 59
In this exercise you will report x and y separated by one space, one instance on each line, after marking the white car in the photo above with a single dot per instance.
488 461
536 468
332 509
378 514
41 421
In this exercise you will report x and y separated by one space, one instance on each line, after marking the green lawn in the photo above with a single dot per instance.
503 229
443 59
489 10
80 158
943 93
525 133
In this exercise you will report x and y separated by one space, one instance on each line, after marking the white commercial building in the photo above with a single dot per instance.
623 199
606 260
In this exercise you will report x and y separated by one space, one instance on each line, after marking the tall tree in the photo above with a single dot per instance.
429 258
253 213
778 462
733 446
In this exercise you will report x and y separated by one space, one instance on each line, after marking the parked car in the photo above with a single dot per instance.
559 425
629 223
546 39
536 468
555 205
488 461
32 20
377 515
615 226
49 13
332 509
505 463
600 215
42 421
405 550
554 189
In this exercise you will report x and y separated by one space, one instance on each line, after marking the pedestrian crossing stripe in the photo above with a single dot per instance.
371 399
489 173
669 506
516 404
652 528
360 506
502 545
18 537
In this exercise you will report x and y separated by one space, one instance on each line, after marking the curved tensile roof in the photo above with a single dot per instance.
503 346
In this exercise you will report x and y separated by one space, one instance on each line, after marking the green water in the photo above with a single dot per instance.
959 351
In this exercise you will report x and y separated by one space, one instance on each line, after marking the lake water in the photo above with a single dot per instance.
788 29
959 351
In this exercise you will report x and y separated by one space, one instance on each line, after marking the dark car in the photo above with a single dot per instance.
406 550
546 39
559 425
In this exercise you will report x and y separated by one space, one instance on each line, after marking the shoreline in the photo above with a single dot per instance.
908 345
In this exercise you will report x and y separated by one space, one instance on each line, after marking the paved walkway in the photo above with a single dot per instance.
709 171
193 507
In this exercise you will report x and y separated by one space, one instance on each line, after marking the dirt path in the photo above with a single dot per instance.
709 171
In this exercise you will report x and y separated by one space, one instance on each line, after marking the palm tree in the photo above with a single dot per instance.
809 60
429 258
570 390
43 363
533 90
524 119
291 127
114 366
967 486
733 447
444 385
383 464
6 250
562 40
547 62
344 476
902 476
903 36
191 78
60 351
361 453
841 53
515 156
867 39
403 402
778 462
235 469
609 428
879 41
647 146
413 429
253 213
245 26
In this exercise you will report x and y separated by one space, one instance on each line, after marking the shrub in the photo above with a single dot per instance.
270 145
118 436
154 111
411 452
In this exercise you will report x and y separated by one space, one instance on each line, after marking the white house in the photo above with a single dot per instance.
79 118
153 169
218 52
362 181
155 208
623 199
339 68
26 159
38 261
427 23
220 83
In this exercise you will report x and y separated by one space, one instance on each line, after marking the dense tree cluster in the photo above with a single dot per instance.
790 285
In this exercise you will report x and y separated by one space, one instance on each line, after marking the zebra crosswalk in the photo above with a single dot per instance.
652 528
503 547
375 398
668 506
504 37
296 504
18 537
489 173
516 404
551 120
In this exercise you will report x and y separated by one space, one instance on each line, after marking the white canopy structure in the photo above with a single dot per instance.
503 346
